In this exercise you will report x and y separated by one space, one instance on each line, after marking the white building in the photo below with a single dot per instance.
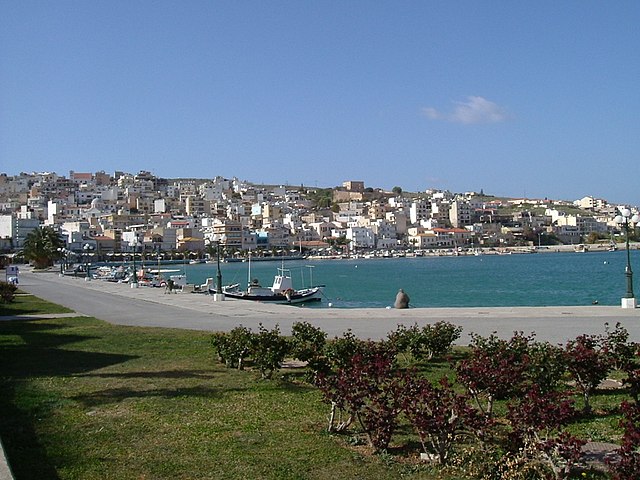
360 237
17 229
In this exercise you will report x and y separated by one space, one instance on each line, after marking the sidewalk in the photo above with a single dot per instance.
5 471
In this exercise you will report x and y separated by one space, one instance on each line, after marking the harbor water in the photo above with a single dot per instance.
539 279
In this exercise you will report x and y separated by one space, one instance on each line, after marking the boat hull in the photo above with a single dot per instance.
301 296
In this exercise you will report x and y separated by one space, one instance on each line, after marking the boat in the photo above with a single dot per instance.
581 248
158 277
281 291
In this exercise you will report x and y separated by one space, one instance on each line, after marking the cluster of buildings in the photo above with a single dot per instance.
124 212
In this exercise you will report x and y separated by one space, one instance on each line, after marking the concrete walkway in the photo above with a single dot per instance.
146 306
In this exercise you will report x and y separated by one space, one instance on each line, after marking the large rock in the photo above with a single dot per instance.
402 300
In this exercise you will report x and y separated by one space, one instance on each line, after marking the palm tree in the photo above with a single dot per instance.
41 247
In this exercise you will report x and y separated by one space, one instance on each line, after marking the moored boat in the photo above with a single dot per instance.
281 291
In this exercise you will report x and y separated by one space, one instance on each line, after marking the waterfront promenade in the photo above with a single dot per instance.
145 306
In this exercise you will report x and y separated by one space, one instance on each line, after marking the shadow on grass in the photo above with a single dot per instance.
117 395
39 353
177 374
24 452
29 305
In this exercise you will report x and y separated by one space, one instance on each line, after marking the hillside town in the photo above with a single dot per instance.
111 214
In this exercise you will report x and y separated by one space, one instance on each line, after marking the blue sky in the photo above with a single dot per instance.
537 99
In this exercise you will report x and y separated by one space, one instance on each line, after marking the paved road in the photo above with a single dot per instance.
120 304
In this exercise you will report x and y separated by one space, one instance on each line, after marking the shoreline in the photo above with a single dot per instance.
471 251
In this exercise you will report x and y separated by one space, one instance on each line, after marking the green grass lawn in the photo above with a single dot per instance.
83 399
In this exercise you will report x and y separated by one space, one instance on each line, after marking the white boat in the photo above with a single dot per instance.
281 291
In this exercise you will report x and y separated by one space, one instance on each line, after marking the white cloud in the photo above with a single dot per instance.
474 111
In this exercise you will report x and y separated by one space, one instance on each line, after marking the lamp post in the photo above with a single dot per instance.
62 258
219 274
624 219
87 248
134 279
218 296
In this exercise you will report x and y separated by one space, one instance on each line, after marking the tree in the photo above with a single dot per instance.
41 247
397 190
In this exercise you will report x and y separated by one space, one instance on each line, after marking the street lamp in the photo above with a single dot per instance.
624 219
87 248
218 296
134 280
219 274
62 258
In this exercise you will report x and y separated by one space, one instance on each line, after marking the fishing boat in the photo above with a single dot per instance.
281 291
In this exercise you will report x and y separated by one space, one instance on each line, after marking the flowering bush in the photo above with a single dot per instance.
588 364
495 369
307 341
627 464
536 421
426 342
233 347
7 292
439 415
268 350
341 350
368 389
616 345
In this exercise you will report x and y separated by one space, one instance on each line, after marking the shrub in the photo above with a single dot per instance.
495 369
233 347
624 355
268 350
632 369
536 420
617 347
341 350
426 342
307 341
627 463
546 366
588 364
368 389
439 415
7 292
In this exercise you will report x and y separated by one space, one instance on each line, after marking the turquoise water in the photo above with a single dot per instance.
542 279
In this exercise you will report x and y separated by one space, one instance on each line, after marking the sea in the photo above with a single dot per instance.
537 279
